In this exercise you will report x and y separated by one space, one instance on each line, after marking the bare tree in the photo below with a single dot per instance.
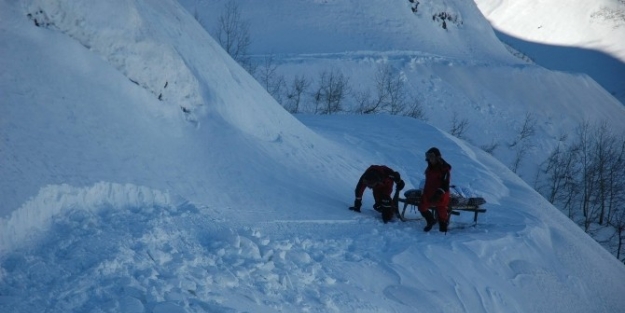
616 215
390 95
233 34
609 155
370 104
559 169
396 89
617 179
490 148
415 110
522 142
391 90
364 102
570 195
587 179
295 93
528 129
603 155
562 177
619 233
332 90
267 75
519 155
458 126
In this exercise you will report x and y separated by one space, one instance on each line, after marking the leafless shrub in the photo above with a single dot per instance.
490 148
522 143
267 75
414 109
233 34
458 126
586 179
295 93
331 92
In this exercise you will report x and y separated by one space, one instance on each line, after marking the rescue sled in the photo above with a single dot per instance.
457 203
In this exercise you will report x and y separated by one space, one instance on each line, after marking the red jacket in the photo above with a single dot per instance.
437 176
387 175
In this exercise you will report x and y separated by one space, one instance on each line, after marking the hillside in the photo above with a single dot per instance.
463 72
581 36
145 171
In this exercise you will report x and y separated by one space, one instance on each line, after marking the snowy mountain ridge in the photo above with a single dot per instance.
118 201
460 73
576 36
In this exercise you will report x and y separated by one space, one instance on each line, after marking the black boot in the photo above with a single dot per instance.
387 214
442 226
387 209
429 219
377 207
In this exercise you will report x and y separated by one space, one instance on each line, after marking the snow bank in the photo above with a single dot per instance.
128 40
159 46
37 213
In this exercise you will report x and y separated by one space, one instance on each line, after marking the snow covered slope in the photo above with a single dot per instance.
213 199
138 75
596 25
461 71
313 27
575 36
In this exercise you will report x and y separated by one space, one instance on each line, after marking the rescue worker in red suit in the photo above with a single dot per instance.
380 179
436 190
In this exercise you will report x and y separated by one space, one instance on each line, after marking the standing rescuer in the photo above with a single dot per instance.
436 190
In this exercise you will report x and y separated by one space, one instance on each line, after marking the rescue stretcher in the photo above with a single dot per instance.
457 203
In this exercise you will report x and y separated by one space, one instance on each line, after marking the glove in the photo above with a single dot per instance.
401 184
437 196
357 205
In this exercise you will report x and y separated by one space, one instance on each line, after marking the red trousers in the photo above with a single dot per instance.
440 206
382 191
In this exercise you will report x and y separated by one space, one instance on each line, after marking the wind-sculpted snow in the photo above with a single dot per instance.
129 41
123 248
113 202
114 248
38 213
160 47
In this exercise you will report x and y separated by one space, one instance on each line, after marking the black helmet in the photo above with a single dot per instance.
371 178
434 151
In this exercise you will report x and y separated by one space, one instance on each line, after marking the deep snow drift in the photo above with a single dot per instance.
214 199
